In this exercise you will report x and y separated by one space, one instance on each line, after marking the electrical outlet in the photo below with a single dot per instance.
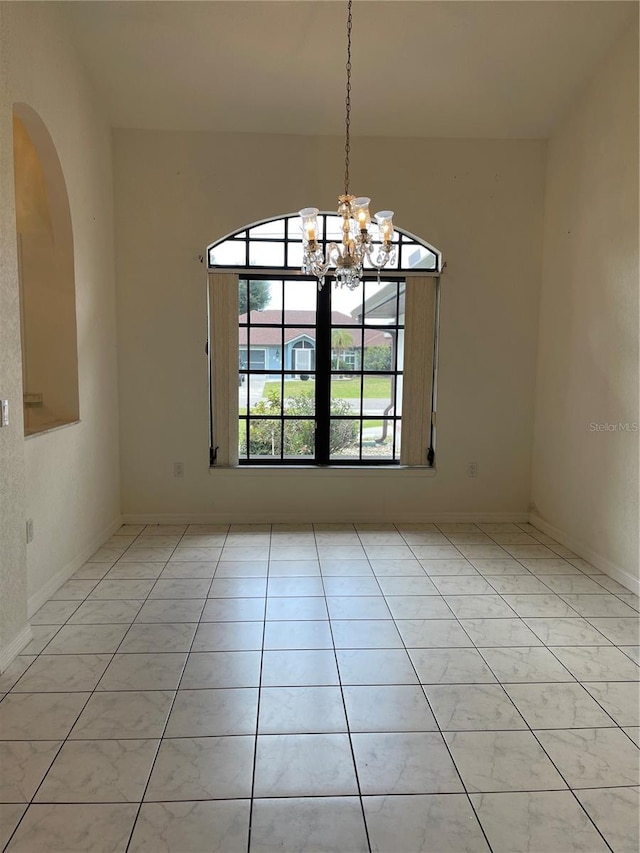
472 469
29 530
178 469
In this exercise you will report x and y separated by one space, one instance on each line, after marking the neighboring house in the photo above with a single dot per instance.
266 345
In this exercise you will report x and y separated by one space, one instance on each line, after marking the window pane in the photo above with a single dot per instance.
398 426
346 305
294 257
344 439
266 245
242 298
346 349
264 397
379 349
300 302
242 439
268 229
390 266
333 227
243 393
266 254
345 395
294 385
231 253
381 303
415 256
299 397
299 439
377 439
264 438
263 301
399 381
377 394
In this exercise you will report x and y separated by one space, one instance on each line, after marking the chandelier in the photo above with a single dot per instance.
357 245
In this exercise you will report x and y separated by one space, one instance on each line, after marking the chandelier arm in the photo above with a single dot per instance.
333 253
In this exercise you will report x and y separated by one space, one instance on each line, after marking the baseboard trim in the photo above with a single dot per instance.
13 649
606 566
318 518
45 592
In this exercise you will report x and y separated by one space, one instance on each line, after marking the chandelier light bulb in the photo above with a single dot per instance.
384 220
361 214
309 216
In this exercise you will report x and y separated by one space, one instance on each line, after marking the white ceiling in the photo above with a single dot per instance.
422 68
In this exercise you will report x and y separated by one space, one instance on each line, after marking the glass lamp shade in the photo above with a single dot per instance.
360 212
385 223
309 216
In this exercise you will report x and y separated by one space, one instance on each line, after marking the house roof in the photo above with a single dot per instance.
264 335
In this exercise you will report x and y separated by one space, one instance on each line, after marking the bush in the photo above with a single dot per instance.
299 435
377 358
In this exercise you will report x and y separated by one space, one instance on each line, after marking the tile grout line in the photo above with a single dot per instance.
255 741
344 705
351 796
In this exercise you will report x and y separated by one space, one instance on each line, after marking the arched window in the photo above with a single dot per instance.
276 245
46 278
324 376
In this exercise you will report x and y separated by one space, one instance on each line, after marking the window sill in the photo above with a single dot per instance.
326 471
54 427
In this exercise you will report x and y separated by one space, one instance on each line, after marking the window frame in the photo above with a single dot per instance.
425 420
291 223
322 373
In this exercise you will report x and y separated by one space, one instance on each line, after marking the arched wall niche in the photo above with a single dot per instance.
46 277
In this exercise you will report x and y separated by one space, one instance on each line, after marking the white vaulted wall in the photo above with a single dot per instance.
585 467
66 480
479 201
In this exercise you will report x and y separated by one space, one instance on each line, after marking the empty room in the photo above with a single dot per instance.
319 511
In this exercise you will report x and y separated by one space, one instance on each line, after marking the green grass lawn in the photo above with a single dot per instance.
345 389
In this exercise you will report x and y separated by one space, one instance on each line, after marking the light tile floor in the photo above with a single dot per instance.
443 688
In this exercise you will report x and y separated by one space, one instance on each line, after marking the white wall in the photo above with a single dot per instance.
585 483
479 201
13 576
71 475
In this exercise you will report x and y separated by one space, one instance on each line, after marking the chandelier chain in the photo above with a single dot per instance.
356 247
347 119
